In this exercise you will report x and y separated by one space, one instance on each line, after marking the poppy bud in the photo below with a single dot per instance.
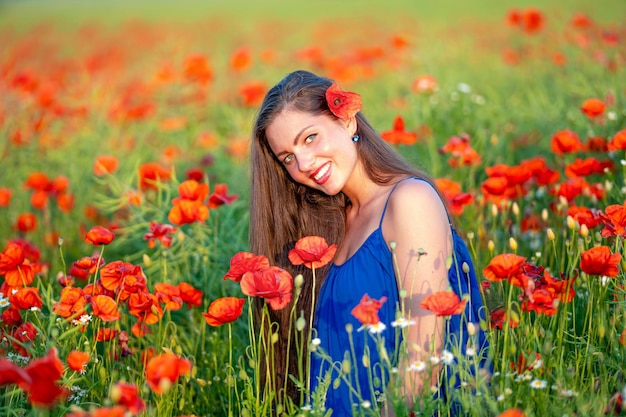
60 241
608 185
491 245
146 260
345 366
465 267
544 215
274 338
584 230
349 328
300 323
366 361
513 244
298 281
515 209
571 223
494 210
392 245
471 329
550 234
470 235
601 331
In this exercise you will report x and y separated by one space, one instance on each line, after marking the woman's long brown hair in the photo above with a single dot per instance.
283 211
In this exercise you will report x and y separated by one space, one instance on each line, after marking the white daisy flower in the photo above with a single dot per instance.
402 322
366 404
447 357
470 351
538 384
4 302
376 328
434 360
417 366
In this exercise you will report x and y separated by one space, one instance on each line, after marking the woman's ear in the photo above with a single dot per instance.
351 125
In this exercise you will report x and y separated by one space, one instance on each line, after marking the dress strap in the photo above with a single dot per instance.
382 216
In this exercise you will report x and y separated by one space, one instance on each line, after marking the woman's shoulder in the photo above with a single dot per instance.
415 192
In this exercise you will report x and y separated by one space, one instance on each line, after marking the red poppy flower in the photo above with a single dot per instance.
618 141
12 374
105 334
163 370
85 266
71 303
366 312
252 93
77 360
499 317
26 298
160 232
243 262
613 218
571 188
105 164
113 274
312 251
343 104
38 181
169 295
26 222
99 235
600 261
190 295
588 166
224 310
397 135
45 372
456 199
220 196
273 284
105 308
11 317
566 141
24 334
462 154
503 266
145 307
5 196
584 215
444 303
241 59
127 395
17 270
141 329
592 107
151 173
188 211
198 70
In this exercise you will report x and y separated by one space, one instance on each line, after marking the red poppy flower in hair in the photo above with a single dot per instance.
343 104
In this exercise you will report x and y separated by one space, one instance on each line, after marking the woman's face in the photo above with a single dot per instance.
316 150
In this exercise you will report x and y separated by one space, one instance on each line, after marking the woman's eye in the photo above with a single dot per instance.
310 138
288 159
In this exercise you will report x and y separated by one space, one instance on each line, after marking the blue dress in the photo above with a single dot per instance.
370 271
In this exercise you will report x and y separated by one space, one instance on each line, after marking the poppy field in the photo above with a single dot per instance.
126 284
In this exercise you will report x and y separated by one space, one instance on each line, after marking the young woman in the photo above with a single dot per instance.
320 169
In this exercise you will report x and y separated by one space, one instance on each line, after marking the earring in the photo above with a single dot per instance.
355 138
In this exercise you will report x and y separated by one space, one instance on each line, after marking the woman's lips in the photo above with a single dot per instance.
321 175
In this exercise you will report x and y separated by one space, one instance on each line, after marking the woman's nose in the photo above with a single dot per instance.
306 161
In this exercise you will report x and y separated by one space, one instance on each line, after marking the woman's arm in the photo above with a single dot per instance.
416 220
